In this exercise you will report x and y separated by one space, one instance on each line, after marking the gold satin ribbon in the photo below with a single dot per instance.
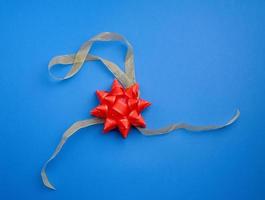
126 78
67 134
188 127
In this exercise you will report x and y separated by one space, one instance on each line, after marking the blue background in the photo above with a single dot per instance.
196 61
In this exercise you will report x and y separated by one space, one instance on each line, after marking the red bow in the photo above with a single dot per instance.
120 108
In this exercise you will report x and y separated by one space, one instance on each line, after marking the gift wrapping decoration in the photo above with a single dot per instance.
121 107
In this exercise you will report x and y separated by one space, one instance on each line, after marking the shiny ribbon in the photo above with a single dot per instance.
126 78
68 133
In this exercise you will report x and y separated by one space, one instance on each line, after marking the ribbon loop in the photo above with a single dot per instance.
127 78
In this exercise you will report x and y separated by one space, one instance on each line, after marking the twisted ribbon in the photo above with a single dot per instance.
126 78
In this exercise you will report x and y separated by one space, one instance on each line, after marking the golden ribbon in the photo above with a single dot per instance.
126 77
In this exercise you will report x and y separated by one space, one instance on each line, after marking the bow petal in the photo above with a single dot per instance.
124 127
101 95
142 104
116 88
121 107
132 103
133 91
109 124
100 111
136 119
110 99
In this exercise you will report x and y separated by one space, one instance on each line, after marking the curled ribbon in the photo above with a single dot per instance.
133 106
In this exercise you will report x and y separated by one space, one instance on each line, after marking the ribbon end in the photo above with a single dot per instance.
48 184
45 180
51 187
235 117
238 112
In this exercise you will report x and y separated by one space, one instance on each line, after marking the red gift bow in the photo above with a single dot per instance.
120 108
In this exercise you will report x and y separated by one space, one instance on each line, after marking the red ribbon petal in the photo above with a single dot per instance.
132 103
136 119
100 111
109 124
116 88
132 91
124 127
110 99
142 104
101 95
121 107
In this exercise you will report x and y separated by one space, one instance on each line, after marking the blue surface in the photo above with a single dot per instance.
195 61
